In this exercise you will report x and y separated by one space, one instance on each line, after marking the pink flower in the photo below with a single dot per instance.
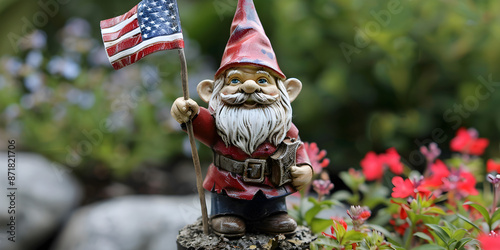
467 141
322 187
358 216
489 241
492 166
317 157
374 165
430 153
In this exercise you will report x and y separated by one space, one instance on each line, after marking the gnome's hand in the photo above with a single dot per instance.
301 176
184 110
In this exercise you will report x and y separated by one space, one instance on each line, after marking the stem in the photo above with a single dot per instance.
495 198
409 240
320 197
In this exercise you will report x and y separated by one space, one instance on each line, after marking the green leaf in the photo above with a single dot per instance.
435 210
482 210
443 235
319 225
429 247
342 195
468 221
424 236
389 235
459 234
412 216
311 213
353 236
461 243
295 214
313 246
495 216
348 180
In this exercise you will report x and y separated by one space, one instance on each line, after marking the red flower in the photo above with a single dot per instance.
489 241
443 179
393 160
317 157
402 188
467 184
438 171
407 188
492 166
401 227
467 142
374 165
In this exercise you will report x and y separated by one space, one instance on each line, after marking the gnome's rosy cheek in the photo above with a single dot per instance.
271 90
229 90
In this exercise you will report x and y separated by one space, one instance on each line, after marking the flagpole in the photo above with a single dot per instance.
194 151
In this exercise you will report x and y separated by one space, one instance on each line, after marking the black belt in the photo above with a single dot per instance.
252 170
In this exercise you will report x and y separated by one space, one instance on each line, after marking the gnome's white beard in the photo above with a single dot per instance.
249 128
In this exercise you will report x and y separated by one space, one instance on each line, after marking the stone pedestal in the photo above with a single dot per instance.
191 237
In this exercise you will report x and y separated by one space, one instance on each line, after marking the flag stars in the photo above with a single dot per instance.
159 17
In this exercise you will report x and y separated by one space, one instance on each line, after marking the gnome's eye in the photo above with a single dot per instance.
235 81
263 81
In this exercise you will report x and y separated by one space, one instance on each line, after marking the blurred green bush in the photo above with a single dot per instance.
376 74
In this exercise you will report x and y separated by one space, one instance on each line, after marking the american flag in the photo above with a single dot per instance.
150 26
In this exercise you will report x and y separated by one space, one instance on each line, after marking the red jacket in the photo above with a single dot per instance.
218 180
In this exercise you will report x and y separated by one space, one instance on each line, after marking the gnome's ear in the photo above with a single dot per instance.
293 87
205 89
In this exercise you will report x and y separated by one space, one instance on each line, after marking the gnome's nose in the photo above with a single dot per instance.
250 86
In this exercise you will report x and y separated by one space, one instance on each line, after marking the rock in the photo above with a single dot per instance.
45 196
192 237
129 223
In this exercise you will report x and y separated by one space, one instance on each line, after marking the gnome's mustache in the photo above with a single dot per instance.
240 98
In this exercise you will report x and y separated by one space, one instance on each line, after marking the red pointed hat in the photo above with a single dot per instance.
248 44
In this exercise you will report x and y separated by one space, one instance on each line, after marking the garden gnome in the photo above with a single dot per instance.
258 156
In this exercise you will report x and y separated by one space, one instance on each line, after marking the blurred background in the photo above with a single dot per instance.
375 74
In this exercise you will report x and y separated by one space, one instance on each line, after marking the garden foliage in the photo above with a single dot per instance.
451 205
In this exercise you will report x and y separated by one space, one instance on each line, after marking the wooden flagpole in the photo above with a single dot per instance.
194 151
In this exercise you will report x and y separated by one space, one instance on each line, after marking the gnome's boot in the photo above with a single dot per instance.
280 223
228 226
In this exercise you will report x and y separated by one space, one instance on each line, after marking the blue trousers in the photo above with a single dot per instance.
257 208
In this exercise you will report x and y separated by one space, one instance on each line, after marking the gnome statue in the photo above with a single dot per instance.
258 156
